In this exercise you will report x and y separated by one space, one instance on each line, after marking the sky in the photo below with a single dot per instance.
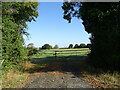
51 28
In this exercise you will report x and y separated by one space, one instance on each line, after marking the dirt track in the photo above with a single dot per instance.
61 80
57 75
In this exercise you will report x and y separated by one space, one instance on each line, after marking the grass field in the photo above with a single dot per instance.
62 52
66 60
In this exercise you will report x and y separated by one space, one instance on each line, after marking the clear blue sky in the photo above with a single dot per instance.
51 28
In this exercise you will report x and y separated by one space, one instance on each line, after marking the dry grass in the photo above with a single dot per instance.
16 79
101 79
13 79
28 65
96 77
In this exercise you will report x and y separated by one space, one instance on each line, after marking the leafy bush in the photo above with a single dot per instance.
32 51
14 18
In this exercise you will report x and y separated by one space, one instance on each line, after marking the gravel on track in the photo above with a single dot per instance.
63 80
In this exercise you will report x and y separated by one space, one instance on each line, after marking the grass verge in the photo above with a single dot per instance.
15 78
100 78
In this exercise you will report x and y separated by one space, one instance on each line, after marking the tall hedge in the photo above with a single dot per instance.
14 18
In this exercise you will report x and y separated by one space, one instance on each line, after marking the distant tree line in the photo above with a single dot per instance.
82 45
48 46
33 50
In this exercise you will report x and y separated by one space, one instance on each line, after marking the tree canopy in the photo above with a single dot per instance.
102 20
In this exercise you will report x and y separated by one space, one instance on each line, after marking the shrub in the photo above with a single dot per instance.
32 51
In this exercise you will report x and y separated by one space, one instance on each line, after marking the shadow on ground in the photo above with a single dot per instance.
73 64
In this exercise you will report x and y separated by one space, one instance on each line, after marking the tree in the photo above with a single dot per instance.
14 18
56 47
82 45
32 51
70 46
76 46
46 46
102 20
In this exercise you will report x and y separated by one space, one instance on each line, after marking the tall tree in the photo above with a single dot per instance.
102 20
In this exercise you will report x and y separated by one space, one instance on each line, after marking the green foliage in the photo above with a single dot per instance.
102 20
14 18
46 46
76 46
88 46
70 46
82 45
11 41
32 51
56 47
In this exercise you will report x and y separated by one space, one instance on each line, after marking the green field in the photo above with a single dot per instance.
66 59
62 53
63 57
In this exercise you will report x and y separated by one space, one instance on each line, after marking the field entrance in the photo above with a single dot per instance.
58 68
61 60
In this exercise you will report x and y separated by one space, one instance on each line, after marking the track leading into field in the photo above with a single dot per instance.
61 80
63 73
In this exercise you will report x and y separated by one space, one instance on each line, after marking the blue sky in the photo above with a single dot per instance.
51 28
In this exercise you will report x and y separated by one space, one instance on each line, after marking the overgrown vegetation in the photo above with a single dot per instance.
31 50
102 20
14 18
